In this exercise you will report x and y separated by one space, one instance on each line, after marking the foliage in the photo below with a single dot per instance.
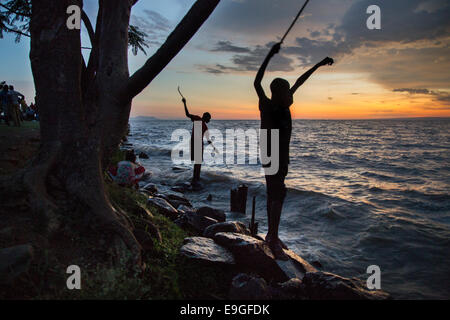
15 18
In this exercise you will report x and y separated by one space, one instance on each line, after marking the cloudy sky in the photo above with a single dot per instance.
402 70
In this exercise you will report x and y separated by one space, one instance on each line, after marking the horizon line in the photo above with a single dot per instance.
317 119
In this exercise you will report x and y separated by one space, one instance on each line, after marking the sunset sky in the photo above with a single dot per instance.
402 70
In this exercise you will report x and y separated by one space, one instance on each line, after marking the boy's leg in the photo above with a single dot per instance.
276 207
197 170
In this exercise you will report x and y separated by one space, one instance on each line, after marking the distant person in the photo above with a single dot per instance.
5 101
29 114
275 114
127 173
16 98
205 119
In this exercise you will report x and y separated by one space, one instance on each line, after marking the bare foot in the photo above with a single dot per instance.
282 244
277 250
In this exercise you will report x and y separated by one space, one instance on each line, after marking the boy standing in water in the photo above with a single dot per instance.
197 139
275 114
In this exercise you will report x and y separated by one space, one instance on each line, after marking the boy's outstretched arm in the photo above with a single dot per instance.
260 75
186 109
307 74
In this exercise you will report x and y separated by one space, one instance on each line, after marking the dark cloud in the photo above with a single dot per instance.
410 51
227 46
412 91
249 60
439 96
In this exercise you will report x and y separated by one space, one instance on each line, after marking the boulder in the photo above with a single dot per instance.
163 207
14 261
230 226
206 250
177 199
182 209
328 286
196 221
246 287
252 254
256 255
292 289
150 188
178 189
143 155
217 214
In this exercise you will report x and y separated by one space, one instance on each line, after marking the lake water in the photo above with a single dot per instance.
360 193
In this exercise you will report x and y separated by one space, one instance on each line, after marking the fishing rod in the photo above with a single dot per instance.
295 20
179 91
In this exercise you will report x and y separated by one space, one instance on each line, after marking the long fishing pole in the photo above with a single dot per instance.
293 22
179 91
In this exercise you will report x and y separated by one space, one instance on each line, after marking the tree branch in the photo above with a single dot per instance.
15 12
89 27
15 31
185 30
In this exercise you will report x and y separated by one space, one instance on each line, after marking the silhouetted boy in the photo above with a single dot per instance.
275 114
205 119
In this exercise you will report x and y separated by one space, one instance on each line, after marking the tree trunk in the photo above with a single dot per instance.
84 112
70 125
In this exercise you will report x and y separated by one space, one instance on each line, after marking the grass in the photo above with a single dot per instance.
168 275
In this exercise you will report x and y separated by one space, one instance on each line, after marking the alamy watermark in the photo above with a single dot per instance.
229 147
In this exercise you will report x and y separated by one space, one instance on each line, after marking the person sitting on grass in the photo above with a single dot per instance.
127 173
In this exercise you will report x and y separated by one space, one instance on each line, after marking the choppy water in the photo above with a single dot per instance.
361 192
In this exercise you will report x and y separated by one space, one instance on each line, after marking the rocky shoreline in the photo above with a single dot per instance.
229 243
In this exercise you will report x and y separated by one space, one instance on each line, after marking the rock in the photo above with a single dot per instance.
251 253
200 223
217 214
143 155
14 261
150 188
316 264
206 250
246 287
299 262
185 209
177 199
256 255
178 189
292 289
196 221
231 226
160 195
328 286
163 207
172 195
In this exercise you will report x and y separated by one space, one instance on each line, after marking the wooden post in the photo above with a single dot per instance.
238 199
253 225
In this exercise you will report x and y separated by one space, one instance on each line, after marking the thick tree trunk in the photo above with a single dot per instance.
70 126
84 111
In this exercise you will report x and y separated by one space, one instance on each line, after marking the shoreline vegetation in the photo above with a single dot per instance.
188 253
